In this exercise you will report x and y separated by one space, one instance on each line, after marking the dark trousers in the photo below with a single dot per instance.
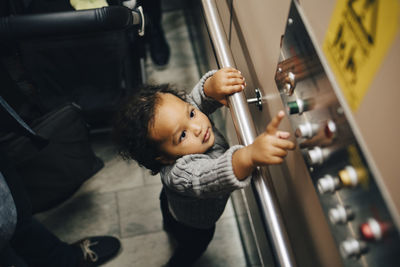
32 244
191 242
152 8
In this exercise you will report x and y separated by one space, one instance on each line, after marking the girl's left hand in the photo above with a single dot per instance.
223 83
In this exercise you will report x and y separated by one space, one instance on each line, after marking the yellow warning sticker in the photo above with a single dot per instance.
359 35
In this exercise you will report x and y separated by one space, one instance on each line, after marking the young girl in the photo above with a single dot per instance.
171 134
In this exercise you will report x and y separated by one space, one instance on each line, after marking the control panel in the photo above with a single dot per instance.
355 207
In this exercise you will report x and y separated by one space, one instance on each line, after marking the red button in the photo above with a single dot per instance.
374 230
366 232
330 129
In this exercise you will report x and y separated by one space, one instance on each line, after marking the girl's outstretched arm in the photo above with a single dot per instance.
270 147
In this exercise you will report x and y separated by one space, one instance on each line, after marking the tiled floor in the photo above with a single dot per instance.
122 199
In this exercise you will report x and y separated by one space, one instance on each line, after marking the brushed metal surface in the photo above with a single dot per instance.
246 133
255 44
378 139
299 56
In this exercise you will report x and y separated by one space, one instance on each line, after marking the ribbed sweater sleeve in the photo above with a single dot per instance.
198 98
201 176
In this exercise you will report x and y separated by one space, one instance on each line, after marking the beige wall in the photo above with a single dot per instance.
255 44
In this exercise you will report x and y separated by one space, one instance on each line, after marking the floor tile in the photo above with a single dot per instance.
85 215
181 69
103 146
139 210
150 250
151 179
225 249
228 212
116 175
154 249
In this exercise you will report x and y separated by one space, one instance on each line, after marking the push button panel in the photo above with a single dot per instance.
355 208
341 214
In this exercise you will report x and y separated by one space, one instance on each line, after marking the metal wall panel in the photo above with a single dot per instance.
255 43
377 109
255 30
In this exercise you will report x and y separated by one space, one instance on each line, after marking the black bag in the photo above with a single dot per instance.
95 69
56 160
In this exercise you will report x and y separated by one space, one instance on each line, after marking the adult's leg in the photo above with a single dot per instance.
191 242
8 221
152 8
39 247
8 213
155 37
31 240
8 257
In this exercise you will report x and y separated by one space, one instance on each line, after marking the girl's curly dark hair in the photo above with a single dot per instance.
132 122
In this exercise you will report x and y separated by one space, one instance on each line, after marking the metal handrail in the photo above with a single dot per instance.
246 133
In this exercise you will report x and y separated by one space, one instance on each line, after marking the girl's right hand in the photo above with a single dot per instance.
271 146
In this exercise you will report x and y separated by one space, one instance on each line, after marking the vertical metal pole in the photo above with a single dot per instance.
246 133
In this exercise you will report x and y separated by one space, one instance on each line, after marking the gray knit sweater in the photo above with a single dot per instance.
198 185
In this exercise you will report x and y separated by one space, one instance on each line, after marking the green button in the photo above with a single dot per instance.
293 107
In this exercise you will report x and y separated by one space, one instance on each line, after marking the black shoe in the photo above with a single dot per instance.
159 48
97 250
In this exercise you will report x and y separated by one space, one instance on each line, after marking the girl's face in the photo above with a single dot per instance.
180 129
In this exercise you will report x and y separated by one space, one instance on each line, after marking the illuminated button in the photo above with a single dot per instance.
341 214
315 156
328 184
307 130
330 129
351 176
289 86
353 248
374 230
299 106
295 106
318 155
287 89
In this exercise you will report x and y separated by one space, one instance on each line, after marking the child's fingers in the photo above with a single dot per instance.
234 75
236 88
277 155
233 81
282 134
272 127
279 152
275 160
229 90
284 144
230 69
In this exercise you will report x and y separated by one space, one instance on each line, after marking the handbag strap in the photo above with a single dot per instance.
27 130
21 126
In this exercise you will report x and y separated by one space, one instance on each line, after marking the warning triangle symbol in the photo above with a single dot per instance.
366 14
